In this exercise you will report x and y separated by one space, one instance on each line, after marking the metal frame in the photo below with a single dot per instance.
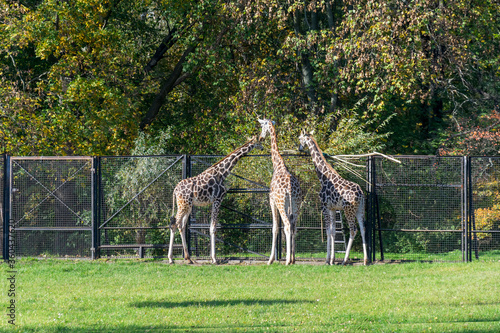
98 226
8 223
464 205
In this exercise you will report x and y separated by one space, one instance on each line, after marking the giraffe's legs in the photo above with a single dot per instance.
288 233
360 216
274 211
293 218
349 245
332 227
183 211
294 234
330 250
184 246
365 251
182 230
213 226
350 215
331 233
173 227
288 220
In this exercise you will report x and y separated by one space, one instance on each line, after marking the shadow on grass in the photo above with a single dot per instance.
457 326
214 303
164 328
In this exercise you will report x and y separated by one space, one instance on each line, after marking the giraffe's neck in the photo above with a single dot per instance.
224 167
323 169
278 162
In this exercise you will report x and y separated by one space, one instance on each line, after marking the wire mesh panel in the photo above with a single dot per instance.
245 217
420 207
311 236
136 204
51 206
485 236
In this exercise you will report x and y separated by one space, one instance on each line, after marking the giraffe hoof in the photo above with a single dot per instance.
171 262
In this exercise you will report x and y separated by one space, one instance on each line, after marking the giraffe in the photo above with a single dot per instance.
284 196
202 190
336 193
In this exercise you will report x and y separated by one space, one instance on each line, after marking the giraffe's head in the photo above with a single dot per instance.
267 126
304 139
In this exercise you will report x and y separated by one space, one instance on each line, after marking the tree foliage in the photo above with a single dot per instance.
87 76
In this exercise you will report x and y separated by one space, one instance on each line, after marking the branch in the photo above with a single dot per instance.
166 44
366 155
17 71
172 81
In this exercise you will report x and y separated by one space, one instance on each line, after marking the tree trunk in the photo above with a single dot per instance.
175 78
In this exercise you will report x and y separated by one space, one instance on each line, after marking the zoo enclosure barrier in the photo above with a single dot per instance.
426 208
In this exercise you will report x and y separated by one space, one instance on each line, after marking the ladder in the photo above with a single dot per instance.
339 233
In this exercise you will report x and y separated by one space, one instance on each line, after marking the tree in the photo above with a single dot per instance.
90 75
69 68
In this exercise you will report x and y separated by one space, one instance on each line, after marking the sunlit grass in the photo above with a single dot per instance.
133 295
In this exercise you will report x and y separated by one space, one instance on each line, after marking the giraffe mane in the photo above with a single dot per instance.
328 165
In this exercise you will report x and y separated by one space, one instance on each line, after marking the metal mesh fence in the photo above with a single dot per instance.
311 234
420 207
485 236
51 206
245 217
136 204
242 219
60 207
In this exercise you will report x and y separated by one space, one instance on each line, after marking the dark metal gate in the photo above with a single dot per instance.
50 205
420 208
484 208
135 203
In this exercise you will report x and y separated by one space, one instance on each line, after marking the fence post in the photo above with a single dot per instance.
6 205
186 173
471 217
465 210
96 206
370 235
376 209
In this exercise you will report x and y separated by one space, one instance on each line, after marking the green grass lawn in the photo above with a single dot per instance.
141 296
